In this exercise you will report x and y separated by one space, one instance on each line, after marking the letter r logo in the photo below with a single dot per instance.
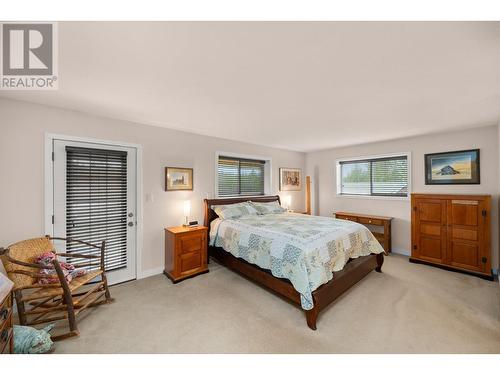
27 49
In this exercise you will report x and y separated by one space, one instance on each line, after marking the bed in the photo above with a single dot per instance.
308 260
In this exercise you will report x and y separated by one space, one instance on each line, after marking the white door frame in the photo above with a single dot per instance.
49 188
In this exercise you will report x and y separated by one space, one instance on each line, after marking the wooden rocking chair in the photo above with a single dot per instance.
42 303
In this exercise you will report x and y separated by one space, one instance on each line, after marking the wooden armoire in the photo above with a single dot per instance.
452 231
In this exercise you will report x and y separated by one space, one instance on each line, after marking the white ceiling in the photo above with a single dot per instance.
295 85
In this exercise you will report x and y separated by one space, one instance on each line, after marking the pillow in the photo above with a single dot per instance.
49 276
232 211
268 208
29 340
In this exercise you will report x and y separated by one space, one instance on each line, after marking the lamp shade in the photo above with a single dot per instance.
187 208
287 201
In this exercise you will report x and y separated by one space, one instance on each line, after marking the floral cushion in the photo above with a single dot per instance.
268 208
49 276
232 211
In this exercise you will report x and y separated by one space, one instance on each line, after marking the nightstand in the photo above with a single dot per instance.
185 252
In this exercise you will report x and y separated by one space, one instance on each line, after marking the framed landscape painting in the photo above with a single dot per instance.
178 179
452 168
290 179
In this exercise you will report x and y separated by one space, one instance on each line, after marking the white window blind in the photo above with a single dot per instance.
386 176
238 176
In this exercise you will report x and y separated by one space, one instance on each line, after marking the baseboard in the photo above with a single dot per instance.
150 272
407 253
489 277
401 252
496 275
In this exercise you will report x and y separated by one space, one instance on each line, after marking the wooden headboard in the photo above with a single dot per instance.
210 214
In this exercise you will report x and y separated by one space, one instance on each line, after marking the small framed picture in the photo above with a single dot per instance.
178 178
290 179
452 168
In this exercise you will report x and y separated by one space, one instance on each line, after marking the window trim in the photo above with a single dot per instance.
338 176
267 171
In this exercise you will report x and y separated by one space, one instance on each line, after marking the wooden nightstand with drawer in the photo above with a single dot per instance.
185 252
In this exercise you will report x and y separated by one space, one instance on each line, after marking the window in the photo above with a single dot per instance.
238 176
377 176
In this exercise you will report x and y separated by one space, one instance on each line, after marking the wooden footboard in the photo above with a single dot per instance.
353 272
342 280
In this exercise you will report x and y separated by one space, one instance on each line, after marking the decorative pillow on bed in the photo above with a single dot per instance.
268 208
232 211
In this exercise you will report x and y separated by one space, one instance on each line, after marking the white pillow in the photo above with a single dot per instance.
232 211
268 207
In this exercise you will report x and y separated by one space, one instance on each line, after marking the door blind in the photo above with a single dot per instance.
240 176
96 203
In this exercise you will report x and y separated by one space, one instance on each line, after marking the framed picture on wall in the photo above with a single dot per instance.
290 179
178 178
452 168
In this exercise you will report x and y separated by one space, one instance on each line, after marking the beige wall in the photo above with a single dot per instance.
321 165
22 133
23 127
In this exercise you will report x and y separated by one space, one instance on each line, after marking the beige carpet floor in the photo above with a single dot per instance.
409 308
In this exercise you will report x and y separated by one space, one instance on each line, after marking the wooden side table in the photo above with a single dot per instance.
185 252
383 222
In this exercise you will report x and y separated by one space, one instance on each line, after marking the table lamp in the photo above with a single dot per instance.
187 212
287 202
